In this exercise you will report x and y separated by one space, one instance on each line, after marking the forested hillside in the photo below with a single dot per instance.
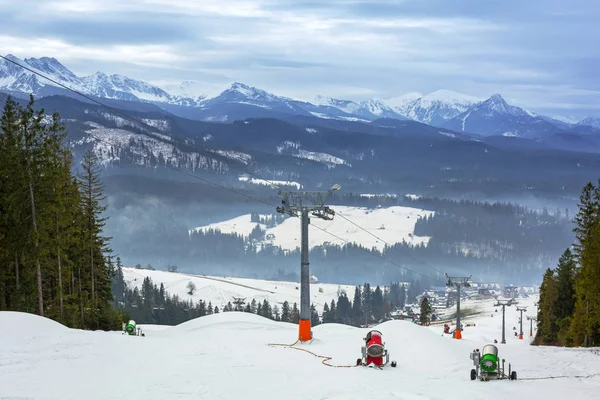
53 253
569 306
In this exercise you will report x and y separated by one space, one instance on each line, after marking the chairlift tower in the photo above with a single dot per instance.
531 319
503 304
458 282
302 204
239 303
521 309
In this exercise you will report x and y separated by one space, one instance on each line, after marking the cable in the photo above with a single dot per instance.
377 237
127 116
374 254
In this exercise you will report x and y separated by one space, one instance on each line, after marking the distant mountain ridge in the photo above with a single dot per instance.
443 108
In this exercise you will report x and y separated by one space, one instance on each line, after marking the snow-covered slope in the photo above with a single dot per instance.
119 146
368 109
594 122
221 290
435 108
230 356
16 79
495 116
393 224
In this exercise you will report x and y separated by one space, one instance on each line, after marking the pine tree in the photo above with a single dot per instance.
585 328
295 314
587 215
285 312
425 317
565 285
546 319
326 317
314 316
357 307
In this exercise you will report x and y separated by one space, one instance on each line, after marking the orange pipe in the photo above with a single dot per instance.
457 334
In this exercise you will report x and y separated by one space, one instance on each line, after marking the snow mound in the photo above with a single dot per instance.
19 324
235 320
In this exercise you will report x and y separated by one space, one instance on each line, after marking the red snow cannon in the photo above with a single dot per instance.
373 352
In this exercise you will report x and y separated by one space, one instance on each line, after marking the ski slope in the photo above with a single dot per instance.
220 290
227 356
392 224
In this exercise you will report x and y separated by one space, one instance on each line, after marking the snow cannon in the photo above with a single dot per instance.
374 353
130 327
488 366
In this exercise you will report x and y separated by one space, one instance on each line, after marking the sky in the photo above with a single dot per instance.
543 55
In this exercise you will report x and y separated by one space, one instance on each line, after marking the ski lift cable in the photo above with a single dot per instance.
138 121
377 237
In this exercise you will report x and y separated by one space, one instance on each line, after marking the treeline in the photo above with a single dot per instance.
152 304
569 304
53 254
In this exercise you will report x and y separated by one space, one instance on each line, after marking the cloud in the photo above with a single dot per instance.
340 48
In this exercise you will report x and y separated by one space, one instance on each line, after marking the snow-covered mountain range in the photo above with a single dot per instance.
443 108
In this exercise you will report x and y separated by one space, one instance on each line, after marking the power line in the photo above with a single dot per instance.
136 120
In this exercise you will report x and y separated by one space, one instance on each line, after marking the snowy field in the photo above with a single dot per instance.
392 224
220 290
227 356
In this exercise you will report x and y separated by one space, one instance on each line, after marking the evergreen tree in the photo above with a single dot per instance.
314 316
565 285
45 247
357 307
326 314
295 314
587 215
546 319
425 317
285 312
216 310
585 328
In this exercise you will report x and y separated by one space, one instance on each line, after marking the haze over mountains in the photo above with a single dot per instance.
382 153
445 109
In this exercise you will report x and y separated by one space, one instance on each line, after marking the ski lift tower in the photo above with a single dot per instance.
458 282
531 319
521 309
503 304
301 204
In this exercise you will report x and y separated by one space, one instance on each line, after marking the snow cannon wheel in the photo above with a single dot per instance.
358 361
513 376
473 374
394 364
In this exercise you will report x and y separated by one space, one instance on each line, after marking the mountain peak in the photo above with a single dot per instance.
497 103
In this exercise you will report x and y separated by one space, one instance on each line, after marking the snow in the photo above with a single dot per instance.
160 124
370 195
221 290
108 144
451 135
293 148
322 157
398 225
257 181
235 155
229 356
311 130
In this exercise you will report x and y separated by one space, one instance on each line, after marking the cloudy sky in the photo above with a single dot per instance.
543 55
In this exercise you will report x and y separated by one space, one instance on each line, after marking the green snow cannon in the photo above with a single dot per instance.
130 327
489 358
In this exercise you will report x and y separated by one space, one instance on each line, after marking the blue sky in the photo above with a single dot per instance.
541 55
